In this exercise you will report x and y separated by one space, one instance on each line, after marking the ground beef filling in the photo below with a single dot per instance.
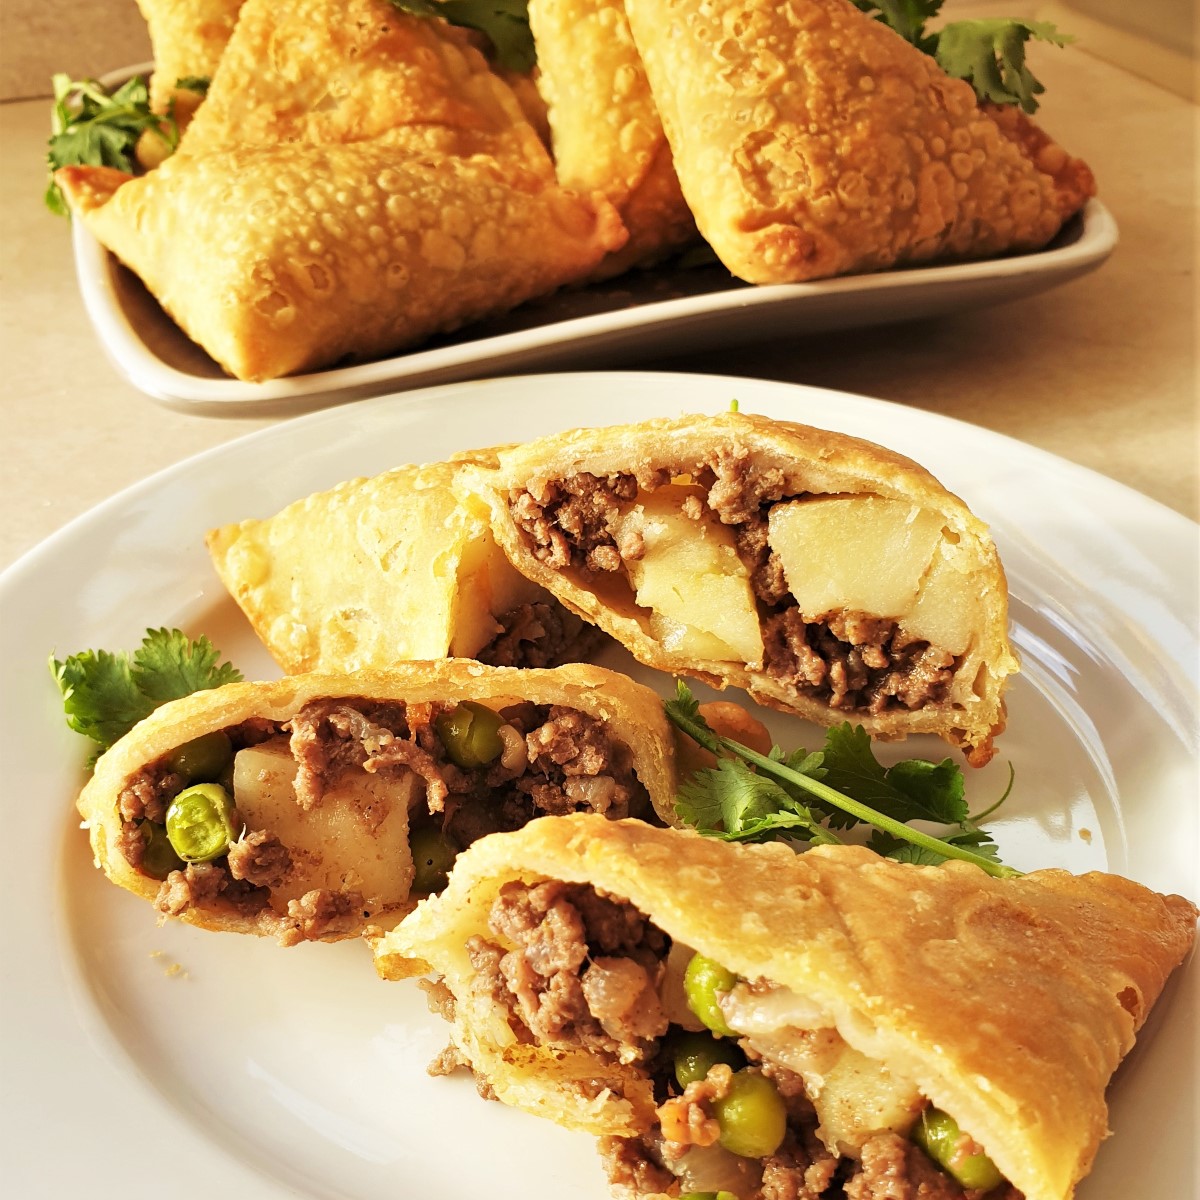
555 760
852 662
583 968
539 635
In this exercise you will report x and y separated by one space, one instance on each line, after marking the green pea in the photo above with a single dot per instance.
202 759
752 1117
938 1134
471 734
702 980
433 854
158 857
695 1054
200 823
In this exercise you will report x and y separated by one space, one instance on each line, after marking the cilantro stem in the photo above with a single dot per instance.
699 732
864 812
987 812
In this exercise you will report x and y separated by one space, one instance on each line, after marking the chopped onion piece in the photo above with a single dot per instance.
753 1008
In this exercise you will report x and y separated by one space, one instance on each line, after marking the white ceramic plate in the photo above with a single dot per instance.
661 312
258 1073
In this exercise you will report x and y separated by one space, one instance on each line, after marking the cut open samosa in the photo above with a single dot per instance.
386 570
748 1020
318 805
826 575
811 140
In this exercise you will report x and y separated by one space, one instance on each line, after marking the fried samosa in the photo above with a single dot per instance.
827 576
188 38
352 251
605 130
811 140
386 570
356 181
858 1002
314 806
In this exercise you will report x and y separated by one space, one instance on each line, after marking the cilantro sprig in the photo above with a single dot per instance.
989 54
90 126
105 695
504 22
810 796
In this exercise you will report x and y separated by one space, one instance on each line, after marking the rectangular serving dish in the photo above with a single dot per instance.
664 311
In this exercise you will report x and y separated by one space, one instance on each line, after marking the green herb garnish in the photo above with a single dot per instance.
93 127
807 797
504 22
105 695
988 54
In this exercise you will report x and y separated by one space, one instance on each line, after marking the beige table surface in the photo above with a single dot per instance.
1102 371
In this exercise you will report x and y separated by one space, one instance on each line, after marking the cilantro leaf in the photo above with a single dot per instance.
505 23
105 695
100 699
92 127
167 666
976 840
990 55
750 796
684 711
731 802
906 17
915 790
194 83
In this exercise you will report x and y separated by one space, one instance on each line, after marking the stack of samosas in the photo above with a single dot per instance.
360 178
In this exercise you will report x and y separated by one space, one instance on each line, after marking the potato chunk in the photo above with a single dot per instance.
859 1098
356 839
692 580
854 1096
488 587
945 604
854 553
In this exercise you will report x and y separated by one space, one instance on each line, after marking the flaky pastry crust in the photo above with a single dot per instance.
372 572
606 133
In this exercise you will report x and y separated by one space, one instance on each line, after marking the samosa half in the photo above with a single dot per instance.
826 575
315 806
747 1020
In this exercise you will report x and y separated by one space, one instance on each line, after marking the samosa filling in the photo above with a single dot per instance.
748 1101
314 825
855 600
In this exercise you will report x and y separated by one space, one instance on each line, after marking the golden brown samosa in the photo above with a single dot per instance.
313 806
811 140
856 1002
339 71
